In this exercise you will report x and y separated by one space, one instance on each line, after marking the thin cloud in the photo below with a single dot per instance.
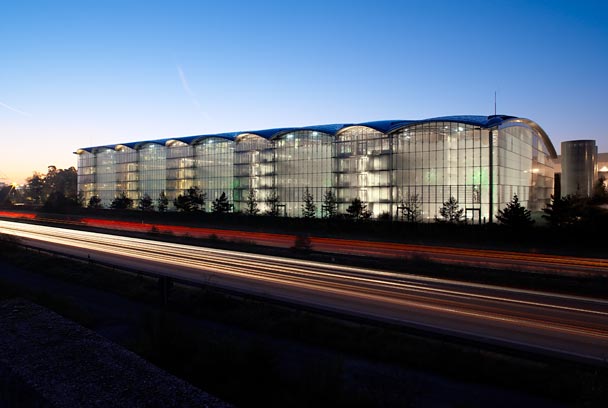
191 93
187 88
14 109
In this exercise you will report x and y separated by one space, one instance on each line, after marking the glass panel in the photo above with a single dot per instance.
215 168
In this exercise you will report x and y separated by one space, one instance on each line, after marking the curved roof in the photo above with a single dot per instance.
543 135
384 126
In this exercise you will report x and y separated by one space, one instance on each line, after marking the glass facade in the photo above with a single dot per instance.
86 174
253 169
522 166
126 172
480 161
152 170
180 169
363 169
439 160
105 176
214 168
303 160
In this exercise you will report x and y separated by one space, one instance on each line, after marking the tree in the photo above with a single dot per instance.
34 187
252 203
564 211
358 210
10 195
514 215
411 208
330 205
599 194
57 201
56 183
95 202
274 204
221 205
121 202
192 200
309 208
162 202
145 203
49 182
80 199
451 212
5 193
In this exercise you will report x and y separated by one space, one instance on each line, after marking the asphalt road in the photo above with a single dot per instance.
570 326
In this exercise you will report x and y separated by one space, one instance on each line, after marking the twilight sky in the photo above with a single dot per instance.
87 73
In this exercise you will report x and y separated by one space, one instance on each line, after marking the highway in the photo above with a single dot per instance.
556 324
482 258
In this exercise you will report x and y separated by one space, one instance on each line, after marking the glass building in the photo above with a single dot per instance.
481 161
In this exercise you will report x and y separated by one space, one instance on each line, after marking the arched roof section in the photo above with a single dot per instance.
541 132
141 144
312 131
102 148
384 126
175 143
269 133
231 137
248 135
375 126
94 149
474 120
331 129
122 148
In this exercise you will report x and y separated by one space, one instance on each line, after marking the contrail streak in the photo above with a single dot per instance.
14 109
187 88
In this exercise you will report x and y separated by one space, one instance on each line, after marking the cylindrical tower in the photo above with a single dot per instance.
579 167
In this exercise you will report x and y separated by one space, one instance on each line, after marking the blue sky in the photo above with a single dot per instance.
87 73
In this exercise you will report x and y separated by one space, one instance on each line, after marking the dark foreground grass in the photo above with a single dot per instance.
248 354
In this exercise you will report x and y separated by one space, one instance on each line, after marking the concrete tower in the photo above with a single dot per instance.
579 167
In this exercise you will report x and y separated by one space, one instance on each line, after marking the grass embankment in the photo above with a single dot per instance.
258 353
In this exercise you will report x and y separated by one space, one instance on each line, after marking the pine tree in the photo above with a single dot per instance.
252 203
80 199
599 194
564 211
95 202
121 202
274 204
221 205
145 203
514 215
358 210
309 208
450 212
192 200
411 208
330 206
162 202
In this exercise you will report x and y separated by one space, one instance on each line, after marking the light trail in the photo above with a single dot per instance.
571 325
504 260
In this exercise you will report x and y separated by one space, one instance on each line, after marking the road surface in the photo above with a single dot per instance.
482 258
569 326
